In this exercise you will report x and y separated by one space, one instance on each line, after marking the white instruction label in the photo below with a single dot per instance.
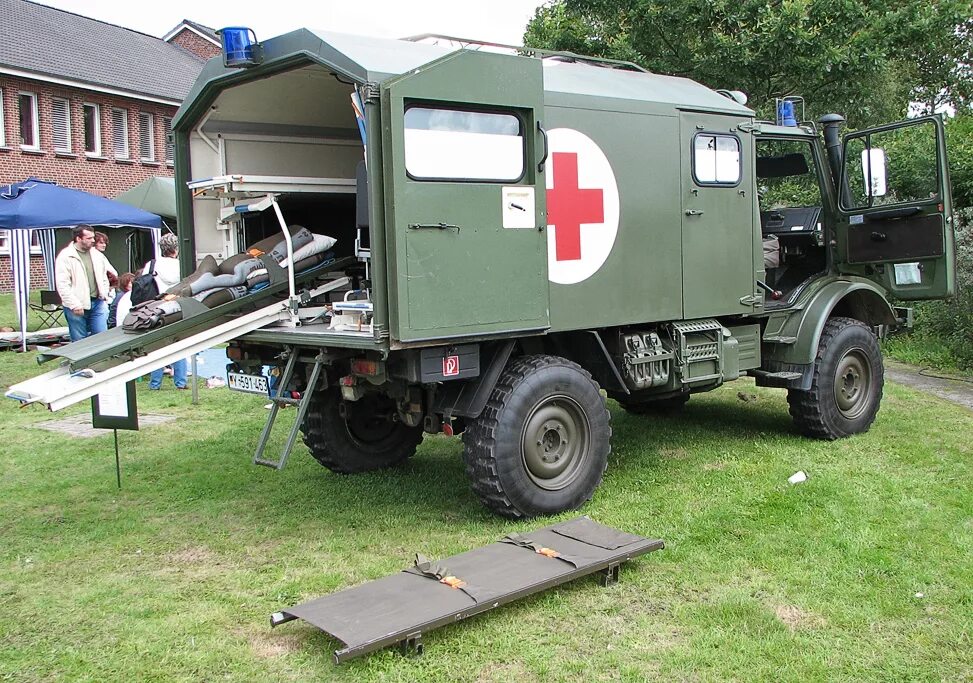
518 207
907 274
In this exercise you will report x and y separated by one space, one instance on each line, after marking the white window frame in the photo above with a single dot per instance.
147 118
35 243
67 104
96 152
3 135
170 147
35 120
115 137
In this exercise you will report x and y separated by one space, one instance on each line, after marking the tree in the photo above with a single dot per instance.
866 59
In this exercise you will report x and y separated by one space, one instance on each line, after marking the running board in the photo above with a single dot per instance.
61 388
401 608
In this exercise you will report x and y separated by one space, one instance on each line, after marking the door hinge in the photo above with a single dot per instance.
749 127
370 92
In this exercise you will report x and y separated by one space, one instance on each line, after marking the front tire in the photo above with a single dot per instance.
367 440
846 389
541 444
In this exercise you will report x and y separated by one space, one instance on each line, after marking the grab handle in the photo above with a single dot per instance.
540 164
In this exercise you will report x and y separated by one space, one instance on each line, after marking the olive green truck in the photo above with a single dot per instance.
519 235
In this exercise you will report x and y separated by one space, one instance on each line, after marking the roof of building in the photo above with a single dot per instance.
195 27
52 43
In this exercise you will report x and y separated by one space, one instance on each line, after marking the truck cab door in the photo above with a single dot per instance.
895 222
718 241
465 200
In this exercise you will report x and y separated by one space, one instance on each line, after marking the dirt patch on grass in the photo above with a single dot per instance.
508 671
268 645
797 619
668 453
193 555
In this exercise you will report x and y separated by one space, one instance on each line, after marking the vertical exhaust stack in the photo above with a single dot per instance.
832 123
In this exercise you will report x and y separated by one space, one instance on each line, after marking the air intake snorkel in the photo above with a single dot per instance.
831 125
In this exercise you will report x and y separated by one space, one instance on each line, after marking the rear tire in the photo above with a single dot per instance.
541 444
365 441
846 389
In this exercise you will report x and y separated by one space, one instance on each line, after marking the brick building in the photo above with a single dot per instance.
88 104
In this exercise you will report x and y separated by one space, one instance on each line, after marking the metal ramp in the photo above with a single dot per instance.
400 608
130 357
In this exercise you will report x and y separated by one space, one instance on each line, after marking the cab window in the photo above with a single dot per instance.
889 167
452 144
787 175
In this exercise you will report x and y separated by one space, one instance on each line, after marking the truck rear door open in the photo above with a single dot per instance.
465 199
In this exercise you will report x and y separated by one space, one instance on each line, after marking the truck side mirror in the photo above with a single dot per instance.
873 170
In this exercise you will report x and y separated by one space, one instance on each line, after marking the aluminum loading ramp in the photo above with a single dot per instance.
400 608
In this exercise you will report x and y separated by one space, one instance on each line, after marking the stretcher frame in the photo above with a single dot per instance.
401 608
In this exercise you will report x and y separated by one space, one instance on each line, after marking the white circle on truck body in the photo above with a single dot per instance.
582 206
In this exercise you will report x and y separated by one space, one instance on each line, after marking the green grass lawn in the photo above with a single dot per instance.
864 572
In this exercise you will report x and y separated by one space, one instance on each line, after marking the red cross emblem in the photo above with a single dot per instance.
568 206
582 207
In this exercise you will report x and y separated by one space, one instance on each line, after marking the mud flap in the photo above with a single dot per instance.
401 608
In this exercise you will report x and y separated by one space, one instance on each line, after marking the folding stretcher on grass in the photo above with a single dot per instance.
401 608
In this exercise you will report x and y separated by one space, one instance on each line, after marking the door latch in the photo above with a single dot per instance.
751 299
694 212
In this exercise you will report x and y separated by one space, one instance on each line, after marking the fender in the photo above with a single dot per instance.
794 340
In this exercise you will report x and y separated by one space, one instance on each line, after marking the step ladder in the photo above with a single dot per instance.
278 400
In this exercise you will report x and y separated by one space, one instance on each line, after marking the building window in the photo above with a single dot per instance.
119 131
35 242
92 129
3 135
61 124
29 133
167 133
146 137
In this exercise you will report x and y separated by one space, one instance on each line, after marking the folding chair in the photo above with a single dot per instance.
49 309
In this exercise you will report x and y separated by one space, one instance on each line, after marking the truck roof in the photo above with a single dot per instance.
369 59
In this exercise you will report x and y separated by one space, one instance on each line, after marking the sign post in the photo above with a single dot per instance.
115 408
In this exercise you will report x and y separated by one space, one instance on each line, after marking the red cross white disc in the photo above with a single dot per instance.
582 207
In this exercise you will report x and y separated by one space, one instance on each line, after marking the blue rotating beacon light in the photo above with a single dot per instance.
240 47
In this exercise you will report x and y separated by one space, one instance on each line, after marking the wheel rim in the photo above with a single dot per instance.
852 380
366 425
556 442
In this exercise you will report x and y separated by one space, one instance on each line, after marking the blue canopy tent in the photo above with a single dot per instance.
40 205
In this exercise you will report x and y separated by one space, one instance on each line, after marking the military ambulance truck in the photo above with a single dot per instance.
519 235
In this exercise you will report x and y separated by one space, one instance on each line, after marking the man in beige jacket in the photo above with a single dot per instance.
81 277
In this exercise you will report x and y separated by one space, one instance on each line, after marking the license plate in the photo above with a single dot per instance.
252 384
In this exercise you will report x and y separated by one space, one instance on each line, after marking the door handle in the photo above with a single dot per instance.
433 226
540 164
694 212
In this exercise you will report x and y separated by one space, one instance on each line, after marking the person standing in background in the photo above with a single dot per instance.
81 280
166 276
122 302
101 244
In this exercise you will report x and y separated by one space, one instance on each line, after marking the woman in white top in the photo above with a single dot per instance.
123 301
